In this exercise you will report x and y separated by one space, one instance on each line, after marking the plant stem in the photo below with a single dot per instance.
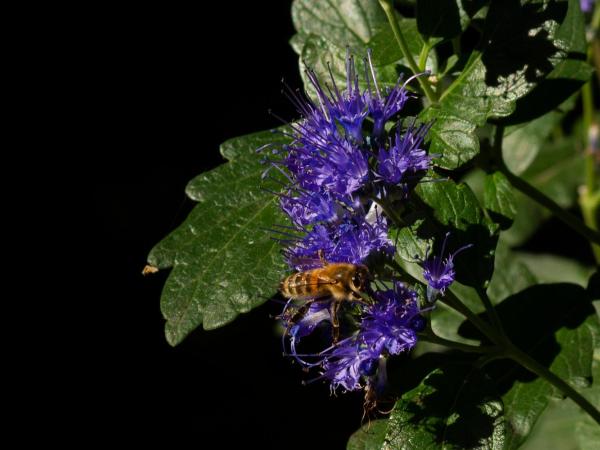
489 308
530 364
456 45
389 211
391 16
589 196
486 329
397 267
594 46
588 121
488 358
566 217
521 358
454 302
502 348
435 339
518 183
423 57
589 205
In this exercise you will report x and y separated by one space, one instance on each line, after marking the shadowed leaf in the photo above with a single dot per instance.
455 206
499 199
555 324
522 43
455 407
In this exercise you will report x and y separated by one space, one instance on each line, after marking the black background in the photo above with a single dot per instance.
173 89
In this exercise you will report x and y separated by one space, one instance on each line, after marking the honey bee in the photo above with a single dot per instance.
338 281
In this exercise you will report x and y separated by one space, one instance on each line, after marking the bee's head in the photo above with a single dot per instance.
360 278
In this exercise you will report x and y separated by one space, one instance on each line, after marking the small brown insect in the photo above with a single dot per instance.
148 270
340 281
371 404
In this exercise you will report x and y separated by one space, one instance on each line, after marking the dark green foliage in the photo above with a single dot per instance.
455 407
523 72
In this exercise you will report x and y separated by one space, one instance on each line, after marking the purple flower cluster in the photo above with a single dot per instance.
341 164
388 326
341 159
350 239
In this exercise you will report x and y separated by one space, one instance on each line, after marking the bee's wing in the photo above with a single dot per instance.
302 264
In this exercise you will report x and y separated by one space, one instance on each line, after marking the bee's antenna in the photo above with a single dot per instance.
285 333
275 300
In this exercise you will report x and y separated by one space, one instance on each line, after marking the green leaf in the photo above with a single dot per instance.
563 424
521 48
320 55
445 19
557 171
446 322
342 22
443 204
224 261
549 268
455 407
566 79
510 276
386 51
499 199
570 72
527 145
561 334
368 437
246 146
357 24
326 29
522 143
587 431
451 137
454 205
409 245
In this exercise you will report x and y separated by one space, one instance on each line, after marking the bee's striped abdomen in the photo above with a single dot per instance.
292 284
310 284
301 285
287 286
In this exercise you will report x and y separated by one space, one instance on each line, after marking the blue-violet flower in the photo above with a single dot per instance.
439 272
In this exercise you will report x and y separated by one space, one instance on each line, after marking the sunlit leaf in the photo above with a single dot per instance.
224 261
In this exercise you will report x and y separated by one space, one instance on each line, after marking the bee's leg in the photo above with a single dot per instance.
300 313
322 257
334 309
354 297
369 404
